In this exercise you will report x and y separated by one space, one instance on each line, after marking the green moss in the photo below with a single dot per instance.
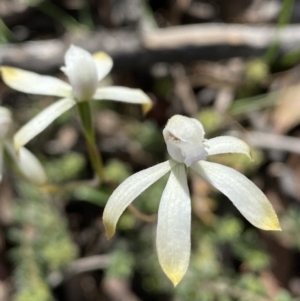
65 168
116 171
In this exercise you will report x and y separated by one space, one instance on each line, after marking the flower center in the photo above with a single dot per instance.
173 138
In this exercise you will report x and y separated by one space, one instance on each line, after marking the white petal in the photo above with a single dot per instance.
82 72
128 191
123 94
38 123
246 196
33 83
173 240
104 64
184 137
226 144
31 167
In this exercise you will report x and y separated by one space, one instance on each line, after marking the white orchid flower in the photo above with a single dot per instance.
84 71
26 162
186 145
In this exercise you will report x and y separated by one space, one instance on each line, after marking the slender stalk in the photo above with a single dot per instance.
89 133
95 157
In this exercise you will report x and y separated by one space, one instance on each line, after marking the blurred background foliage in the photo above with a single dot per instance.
52 240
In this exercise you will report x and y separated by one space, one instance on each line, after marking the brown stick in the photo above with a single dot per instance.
271 141
175 44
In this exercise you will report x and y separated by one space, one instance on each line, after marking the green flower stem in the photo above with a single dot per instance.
95 157
89 132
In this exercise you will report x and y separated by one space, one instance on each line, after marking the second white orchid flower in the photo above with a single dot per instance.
27 163
186 145
84 71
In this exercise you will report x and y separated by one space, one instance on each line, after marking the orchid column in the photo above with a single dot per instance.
84 71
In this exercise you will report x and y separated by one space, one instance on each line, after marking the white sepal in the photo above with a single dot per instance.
123 94
80 68
38 123
245 195
184 137
33 83
31 167
128 191
226 144
173 240
104 64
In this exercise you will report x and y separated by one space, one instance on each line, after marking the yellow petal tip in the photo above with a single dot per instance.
109 236
173 273
175 278
9 73
101 56
146 107
109 229
276 228
271 224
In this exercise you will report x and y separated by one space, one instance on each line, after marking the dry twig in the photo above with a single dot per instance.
175 44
